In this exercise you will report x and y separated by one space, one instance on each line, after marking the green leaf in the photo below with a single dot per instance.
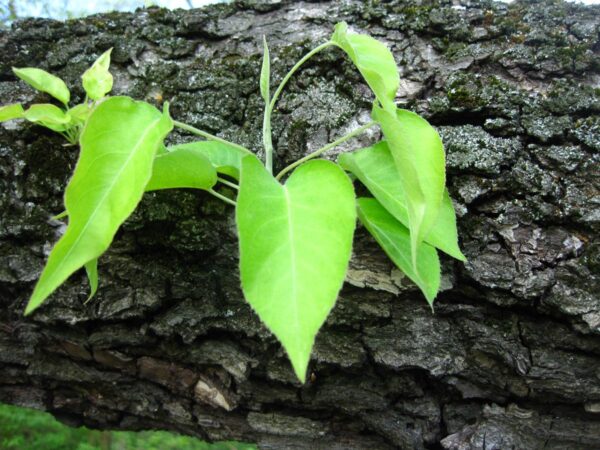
118 145
80 113
225 158
97 80
46 82
375 168
265 73
374 61
395 240
419 156
48 115
182 168
295 244
9 112
162 149
91 269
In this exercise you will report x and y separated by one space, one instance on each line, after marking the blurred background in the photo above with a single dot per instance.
26 429
68 9
65 9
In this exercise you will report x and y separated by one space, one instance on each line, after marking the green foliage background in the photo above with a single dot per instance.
27 429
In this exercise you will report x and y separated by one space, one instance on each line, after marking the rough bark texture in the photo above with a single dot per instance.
511 357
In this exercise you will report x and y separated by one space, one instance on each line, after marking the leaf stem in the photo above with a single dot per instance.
305 58
329 146
267 138
222 197
228 183
209 136
69 136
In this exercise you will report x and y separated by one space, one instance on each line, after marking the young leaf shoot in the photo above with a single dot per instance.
118 146
97 80
295 238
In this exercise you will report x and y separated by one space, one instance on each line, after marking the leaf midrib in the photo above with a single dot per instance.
112 185
293 282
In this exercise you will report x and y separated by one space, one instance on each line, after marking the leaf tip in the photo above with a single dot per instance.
90 297
461 256
341 26
31 306
300 370
299 355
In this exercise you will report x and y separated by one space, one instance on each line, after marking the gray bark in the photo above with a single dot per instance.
511 357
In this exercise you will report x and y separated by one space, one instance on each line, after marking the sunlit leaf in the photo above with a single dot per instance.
80 113
48 115
118 145
46 82
394 238
9 112
225 158
418 153
375 168
182 168
265 73
97 80
295 244
374 61
162 149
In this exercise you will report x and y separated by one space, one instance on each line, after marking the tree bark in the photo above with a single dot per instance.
509 359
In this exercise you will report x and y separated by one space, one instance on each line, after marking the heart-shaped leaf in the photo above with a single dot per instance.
225 158
182 168
9 112
374 61
295 244
45 82
419 156
97 80
118 145
394 238
375 168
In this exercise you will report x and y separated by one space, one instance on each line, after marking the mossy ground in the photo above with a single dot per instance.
27 429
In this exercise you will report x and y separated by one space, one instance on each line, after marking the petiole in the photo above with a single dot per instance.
328 147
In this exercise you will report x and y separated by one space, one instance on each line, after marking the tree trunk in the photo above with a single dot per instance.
509 359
